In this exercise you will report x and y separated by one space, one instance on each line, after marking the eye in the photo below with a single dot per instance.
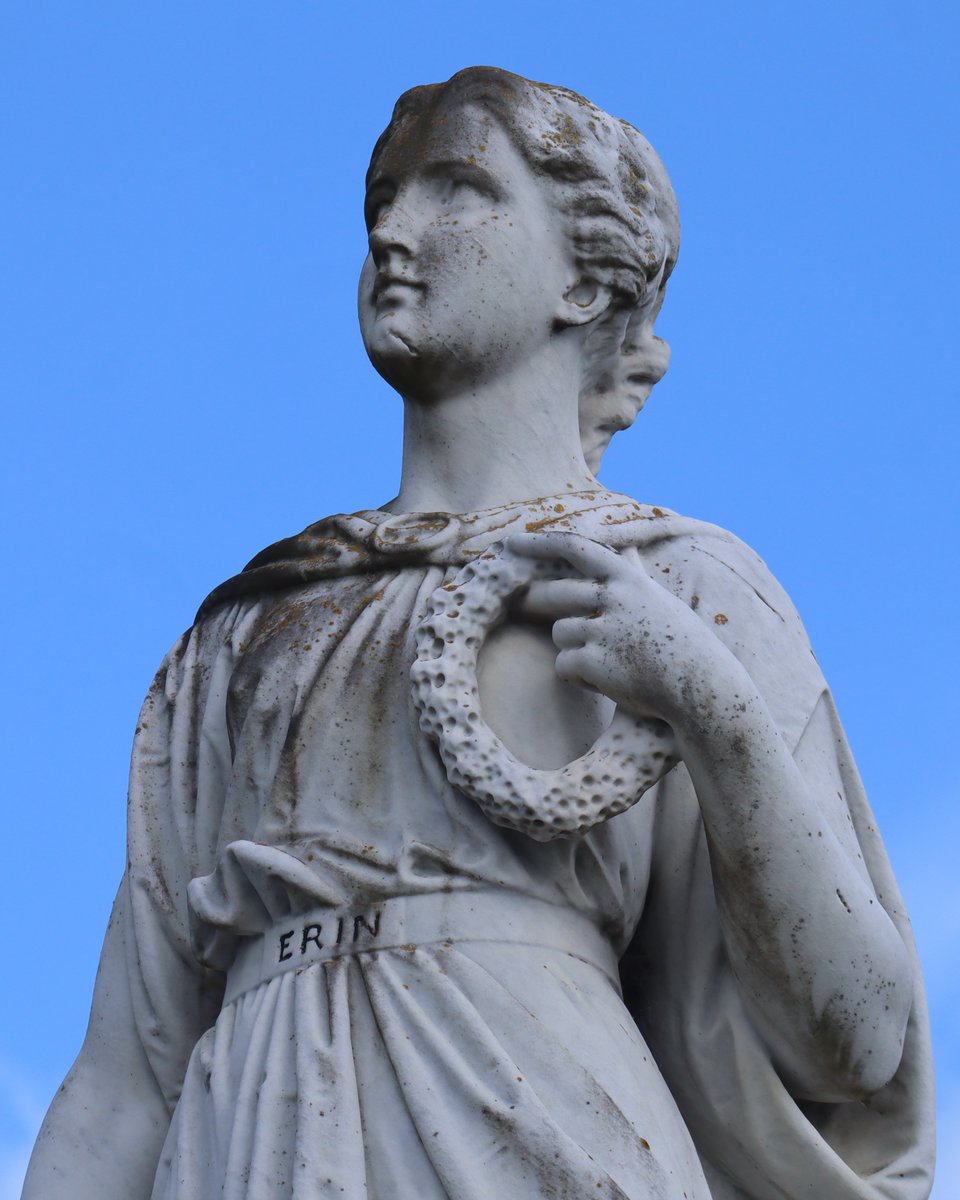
464 183
378 199
453 190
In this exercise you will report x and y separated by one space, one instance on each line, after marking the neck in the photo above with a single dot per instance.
496 442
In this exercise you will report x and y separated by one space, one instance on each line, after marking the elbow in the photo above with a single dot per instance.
877 1052
857 1025
851 1053
847 1082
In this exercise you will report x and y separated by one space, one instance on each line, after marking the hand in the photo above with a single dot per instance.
621 633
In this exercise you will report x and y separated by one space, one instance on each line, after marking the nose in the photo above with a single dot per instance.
393 235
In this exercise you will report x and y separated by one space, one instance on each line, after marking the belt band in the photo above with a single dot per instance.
406 922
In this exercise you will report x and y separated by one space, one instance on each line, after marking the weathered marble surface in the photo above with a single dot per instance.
332 971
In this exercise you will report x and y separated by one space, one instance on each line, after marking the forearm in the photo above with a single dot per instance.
101 1137
103 1133
822 965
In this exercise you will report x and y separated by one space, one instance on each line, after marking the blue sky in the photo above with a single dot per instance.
185 383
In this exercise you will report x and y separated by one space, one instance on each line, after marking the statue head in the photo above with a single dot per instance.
605 193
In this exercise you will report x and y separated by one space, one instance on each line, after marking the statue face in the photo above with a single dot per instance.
468 261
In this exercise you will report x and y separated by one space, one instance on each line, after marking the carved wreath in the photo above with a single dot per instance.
627 759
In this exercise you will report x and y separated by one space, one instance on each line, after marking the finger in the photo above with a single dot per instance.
589 557
571 665
562 598
571 633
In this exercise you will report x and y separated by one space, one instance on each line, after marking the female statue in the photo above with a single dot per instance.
333 971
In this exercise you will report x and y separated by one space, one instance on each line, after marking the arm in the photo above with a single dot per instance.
823 969
153 1000
104 1130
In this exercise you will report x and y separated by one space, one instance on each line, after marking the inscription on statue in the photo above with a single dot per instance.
353 930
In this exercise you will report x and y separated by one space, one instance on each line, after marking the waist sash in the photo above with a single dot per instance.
406 922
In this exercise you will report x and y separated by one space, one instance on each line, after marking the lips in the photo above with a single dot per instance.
390 283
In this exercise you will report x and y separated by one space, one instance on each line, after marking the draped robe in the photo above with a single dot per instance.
279 767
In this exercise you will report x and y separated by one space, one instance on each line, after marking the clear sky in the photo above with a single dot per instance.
184 381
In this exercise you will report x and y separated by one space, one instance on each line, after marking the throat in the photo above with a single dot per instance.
471 452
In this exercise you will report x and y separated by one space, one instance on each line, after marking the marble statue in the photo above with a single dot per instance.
502 841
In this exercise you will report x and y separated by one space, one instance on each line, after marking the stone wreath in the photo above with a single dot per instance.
627 759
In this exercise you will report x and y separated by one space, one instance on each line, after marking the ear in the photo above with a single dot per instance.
582 303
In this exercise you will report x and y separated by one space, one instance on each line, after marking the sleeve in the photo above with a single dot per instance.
178 781
153 999
756 1141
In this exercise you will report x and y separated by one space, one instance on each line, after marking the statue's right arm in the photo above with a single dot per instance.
103 1133
153 999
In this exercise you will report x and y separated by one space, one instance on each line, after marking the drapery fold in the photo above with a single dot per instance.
395 1075
429 1072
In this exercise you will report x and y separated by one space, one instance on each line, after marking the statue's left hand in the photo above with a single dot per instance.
620 632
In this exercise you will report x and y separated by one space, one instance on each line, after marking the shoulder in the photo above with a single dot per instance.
710 564
204 654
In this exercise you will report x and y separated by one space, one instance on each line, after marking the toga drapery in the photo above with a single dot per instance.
279 769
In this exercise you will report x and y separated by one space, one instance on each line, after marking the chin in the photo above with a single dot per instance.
391 343
395 357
